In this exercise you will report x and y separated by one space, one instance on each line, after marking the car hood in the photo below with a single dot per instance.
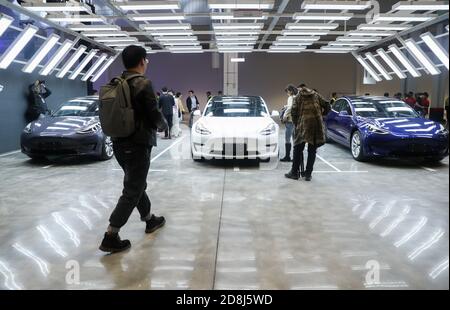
236 125
61 125
404 125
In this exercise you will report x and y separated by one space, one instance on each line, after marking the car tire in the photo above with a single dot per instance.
107 149
356 147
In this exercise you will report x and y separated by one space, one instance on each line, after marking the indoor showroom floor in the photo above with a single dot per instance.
232 225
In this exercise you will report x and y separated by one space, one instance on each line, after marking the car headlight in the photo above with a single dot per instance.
201 129
28 129
269 130
90 129
376 129
442 130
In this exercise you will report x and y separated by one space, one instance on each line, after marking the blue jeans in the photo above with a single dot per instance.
289 132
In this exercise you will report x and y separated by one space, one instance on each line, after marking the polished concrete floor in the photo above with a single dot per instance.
230 225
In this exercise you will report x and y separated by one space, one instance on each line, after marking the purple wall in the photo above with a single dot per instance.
181 72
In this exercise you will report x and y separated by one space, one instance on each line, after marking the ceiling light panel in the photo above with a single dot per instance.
103 69
296 38
421 57
41 53
75 19
241 4
155 17
173 26
17 46
436 48
358 39
405 62
403 18
322 16
94 67
311 26
227 16
5 22
82 27
336 5
57 57
420 6
56 7
105 34
238 26
388 60
82 64
304 32
383 26
369 69
75 56
378 66
148 5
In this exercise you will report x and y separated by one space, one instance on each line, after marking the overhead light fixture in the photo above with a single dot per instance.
287 48
174 26
378 66
402 18
436 48
237 59
5 22
227 16
368 68
288 43
298 38
336 5
41 53
103 68
56 7
402 58
371 33
148 5
237 26
183 48
57 57
105 34
358 39
283 51
242 38
241 4
311 26
304 33
17 46
167 39
172 33
322 16
94 67
422 57
235 43
330 52
346 49
125 44
236 32
76 19
387 27
344 43
188 52
420 6
76 55
82 64
100 28
181 43
115 40
391 63
155 17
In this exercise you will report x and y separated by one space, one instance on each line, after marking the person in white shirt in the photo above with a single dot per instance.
291 91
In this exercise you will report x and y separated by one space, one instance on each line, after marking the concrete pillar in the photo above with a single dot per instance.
230 75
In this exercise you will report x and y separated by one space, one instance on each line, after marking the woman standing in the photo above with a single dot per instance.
307 111
178 111
291 91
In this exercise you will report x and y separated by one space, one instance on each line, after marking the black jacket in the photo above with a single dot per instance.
166 104
189 103
147 115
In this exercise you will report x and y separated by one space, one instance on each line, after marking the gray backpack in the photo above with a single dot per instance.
115 109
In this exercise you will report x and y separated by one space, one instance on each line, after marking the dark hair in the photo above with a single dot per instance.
164 89
301 85
220 92
132 55
386 94
191 91
158 93
208 93
292 89
426 94
333 94
178 95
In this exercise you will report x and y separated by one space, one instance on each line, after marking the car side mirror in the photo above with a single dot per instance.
343 113
275 113
197 113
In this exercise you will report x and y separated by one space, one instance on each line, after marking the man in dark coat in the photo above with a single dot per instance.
307 111
166 104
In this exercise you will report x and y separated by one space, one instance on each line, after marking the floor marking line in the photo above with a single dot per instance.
168 148
46 167
428 169
328 163
219 228
9 153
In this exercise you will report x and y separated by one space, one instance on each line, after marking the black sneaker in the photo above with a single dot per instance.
292 175
154 223
308 178
112 244
286 160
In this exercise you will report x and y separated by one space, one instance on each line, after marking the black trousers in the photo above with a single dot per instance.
135 162
298 161
169 119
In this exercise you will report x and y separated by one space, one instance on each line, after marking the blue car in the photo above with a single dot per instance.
384 127
72 130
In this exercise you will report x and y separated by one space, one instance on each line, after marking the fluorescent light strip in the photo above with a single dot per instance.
304 33
402 18
238 26
358 39
5 22
406 63
420 6
173 26
17 46
82 65
237 59
322 16
106 40
56 58
387 27
243 38
105 34
391 63
284 51
379 67
187 52
183 48
311 26
56 7
330 52
337 48
436 48
103 69
155 17
288 43
342 43
234 32
148 5
235 43
94 67
172 33
182 43
216 16
41 53
164 39
294 38
241 4
371 33
336 5
125 44
76 19
76 55
94 28
421 57
287 48
368 69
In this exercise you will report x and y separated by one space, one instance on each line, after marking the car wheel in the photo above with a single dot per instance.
327 137
357 147
107 149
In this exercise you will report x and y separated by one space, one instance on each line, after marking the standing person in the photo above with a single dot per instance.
133 153
410 100
425 104
307 111
398 96
176 131
333 98
192 104
166 104
386 95
37 105
291 91
208 96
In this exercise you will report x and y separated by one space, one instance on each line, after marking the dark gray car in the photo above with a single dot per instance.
73 130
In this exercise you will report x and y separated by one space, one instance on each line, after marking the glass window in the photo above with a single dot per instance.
346 107
338 105
236 107
384 109
78 107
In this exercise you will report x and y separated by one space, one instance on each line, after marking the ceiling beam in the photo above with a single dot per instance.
274 22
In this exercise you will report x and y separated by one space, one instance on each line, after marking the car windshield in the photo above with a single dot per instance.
78 107
383 109
236 107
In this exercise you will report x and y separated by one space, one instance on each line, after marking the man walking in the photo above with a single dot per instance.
133 152
192 104
166 104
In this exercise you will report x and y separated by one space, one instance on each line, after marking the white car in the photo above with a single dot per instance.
235 128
